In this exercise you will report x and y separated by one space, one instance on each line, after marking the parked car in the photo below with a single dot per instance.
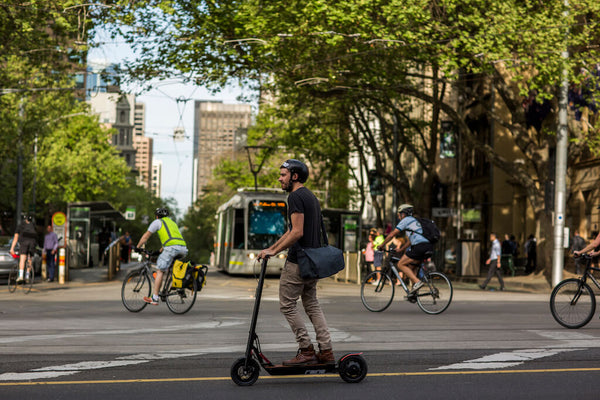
6 261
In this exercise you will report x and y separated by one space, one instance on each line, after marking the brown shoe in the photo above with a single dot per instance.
326 357
305 356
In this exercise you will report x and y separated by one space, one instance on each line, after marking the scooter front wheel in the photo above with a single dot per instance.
245 374
352 368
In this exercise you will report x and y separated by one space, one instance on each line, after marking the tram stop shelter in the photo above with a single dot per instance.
85 223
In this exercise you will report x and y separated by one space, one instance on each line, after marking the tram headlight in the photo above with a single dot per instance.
251 256
282 255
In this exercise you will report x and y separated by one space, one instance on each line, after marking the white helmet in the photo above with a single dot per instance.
406 209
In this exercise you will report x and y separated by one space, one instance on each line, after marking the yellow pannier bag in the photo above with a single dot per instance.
179 272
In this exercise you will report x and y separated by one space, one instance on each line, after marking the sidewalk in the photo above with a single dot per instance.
82 276
534 283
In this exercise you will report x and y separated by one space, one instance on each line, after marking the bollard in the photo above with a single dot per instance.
61 265
44 273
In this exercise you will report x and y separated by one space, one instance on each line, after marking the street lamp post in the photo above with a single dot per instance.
255 169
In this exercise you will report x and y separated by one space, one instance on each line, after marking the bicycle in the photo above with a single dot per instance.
434 297
138 283
29 276
573 302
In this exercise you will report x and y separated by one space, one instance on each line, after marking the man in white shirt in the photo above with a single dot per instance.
494 266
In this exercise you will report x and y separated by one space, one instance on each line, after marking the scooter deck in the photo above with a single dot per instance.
312 369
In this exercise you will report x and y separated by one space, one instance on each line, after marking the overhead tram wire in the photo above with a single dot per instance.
180 124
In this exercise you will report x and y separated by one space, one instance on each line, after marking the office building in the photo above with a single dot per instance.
139 119
155 186
219 131
143 160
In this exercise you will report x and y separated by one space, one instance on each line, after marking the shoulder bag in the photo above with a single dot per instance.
320 262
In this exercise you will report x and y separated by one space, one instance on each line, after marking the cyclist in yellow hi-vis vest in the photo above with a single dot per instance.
173 245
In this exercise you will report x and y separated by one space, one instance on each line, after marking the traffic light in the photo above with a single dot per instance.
375 183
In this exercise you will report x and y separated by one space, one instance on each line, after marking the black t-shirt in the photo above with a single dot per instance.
27 232
304 201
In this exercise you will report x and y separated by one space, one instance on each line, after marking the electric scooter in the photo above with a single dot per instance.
352 367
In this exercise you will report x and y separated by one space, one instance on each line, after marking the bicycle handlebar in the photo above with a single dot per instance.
149 253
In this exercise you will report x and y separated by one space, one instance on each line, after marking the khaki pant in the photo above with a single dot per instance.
291 288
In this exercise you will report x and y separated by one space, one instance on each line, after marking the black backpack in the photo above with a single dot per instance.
430 230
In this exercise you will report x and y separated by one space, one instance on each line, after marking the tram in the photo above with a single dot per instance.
247 223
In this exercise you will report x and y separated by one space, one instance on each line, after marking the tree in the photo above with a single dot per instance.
379 60
77 163
44 43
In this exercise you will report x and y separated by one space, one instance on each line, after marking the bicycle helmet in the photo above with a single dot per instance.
161 212
296 167
406 209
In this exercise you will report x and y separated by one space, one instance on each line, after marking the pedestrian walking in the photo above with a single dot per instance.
369 253
577 244
125 246
531 253
493 263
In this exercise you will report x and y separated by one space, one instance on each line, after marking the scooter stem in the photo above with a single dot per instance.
258 295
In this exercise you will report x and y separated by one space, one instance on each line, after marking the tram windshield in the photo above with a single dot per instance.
266 222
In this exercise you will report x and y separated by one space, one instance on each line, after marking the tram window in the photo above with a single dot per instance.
238 230
266 223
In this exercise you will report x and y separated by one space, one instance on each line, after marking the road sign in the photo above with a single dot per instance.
442 212
130 213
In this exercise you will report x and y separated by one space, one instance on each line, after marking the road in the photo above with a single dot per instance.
78 341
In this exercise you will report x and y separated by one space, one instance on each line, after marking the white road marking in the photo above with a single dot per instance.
567 335
136 359
71 369
201 325
567 341
504 359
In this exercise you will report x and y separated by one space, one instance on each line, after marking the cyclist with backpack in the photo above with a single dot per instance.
416 246
173 246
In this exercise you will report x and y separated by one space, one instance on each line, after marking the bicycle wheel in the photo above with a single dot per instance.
29 278
435 295
135 286
377 295
572 303
12 279
181 300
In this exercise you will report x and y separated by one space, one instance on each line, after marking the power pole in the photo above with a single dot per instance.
560 189
19 200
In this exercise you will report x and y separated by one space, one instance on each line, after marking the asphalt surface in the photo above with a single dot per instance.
76 340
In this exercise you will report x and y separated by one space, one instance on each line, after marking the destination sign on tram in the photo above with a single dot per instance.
263 203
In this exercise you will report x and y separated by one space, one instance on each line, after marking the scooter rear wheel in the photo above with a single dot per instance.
244 375
352 368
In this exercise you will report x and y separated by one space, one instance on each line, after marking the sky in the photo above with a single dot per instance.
164 113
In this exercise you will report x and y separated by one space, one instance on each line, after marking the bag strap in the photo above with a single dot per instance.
324 232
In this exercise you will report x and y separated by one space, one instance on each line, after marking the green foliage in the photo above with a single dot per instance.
363 69
77 163
236 173
43 44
